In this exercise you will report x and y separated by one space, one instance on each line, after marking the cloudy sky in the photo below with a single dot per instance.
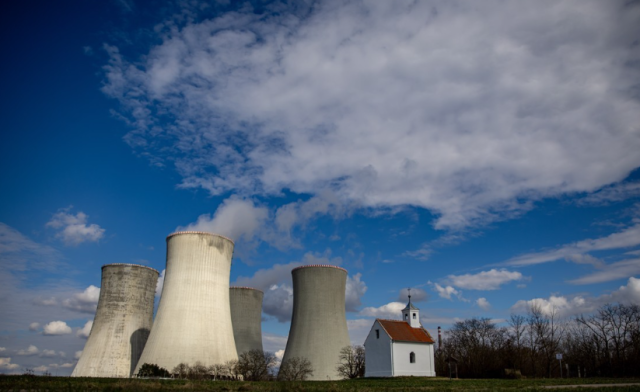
486 155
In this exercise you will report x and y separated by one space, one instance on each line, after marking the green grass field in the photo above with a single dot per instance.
26 383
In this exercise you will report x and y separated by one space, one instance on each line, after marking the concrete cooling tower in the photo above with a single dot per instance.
246 317
193 322
122 322
319 325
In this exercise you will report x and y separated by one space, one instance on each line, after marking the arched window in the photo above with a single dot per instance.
412 357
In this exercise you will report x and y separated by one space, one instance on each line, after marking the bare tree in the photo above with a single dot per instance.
256 365
352 361
295 369
218 370
231 369
181 370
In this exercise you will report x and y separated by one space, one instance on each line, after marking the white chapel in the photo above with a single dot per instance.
399 347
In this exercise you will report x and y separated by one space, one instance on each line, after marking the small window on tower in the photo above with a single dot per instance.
377 334
406 316
414 316
412 357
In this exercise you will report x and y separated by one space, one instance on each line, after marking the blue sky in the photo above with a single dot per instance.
485 155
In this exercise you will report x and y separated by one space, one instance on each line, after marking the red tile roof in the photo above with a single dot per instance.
401 331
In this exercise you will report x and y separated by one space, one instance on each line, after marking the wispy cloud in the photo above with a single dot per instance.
485 280
626 238
620 270
19 253
74 229
399 105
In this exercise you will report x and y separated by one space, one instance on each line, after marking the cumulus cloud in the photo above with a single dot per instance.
86 330
77 354
56 328
41 368
85 302
392 310
48 353
447 291
31 350
235 218
441 105
626 238
34 326
485 280
564 306
244 220
483 303
5 363
354 291
3 349
160 283
73 229
359 329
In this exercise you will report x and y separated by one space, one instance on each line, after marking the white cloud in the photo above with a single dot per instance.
86 330
243 220
354 291
5 363
160 283
485 280
34 326
565 306
235 218
613 193
620 270
392 310
625 238
447 292
56 328
443 106
73 229
279 355
48 353
77 354
31 350
483 303
2 349
85 302
358 330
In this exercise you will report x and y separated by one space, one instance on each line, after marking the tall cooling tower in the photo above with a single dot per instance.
122 322
193 322
246 316
319 325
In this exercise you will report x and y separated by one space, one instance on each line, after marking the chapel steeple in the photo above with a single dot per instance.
411 314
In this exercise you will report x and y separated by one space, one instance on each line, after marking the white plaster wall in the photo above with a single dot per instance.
424 365
378 353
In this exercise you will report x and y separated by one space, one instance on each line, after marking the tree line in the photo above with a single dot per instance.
258 365
606 343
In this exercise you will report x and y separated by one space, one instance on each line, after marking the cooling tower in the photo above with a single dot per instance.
122 322
246 317
319 325
193 322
